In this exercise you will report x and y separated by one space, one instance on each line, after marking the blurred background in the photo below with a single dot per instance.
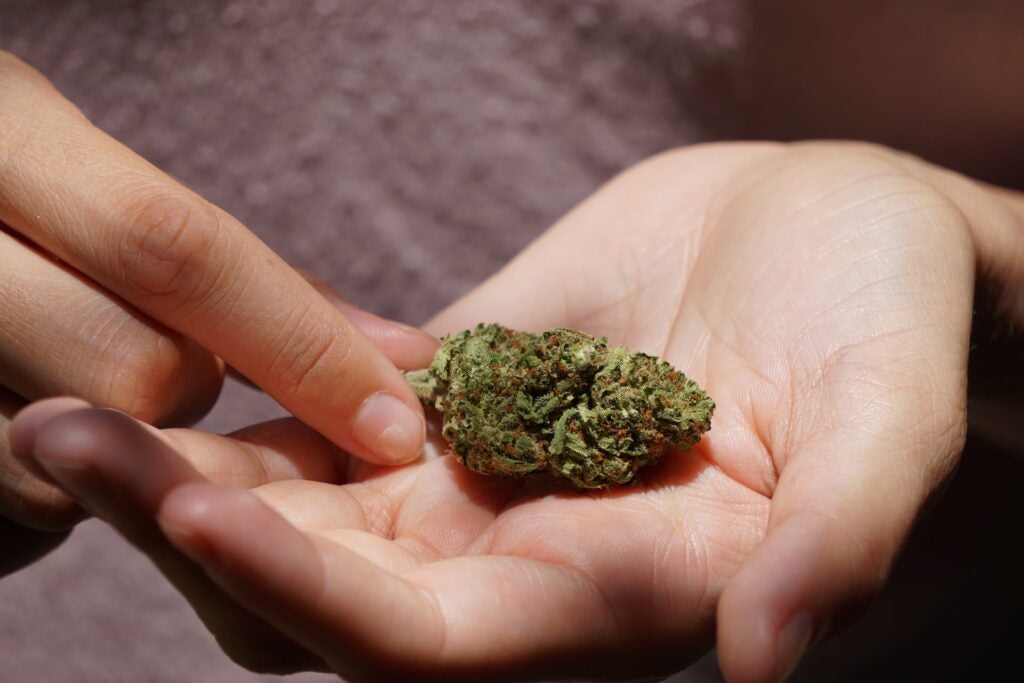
404 151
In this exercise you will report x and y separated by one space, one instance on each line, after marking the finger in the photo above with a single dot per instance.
406 347
189 265
843 508
332 513
122 471
358 617
27 495
271 451
34 514
63 335
28 420
995 216
871 424
371 625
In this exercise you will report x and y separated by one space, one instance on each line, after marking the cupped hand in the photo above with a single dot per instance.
821 293
119 285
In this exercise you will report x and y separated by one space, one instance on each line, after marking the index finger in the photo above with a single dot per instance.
90 201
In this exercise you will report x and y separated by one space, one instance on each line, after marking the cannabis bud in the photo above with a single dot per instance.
515 403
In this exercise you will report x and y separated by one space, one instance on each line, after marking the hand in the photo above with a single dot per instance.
821 293
121 286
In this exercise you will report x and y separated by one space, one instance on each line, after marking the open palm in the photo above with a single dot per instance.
821 294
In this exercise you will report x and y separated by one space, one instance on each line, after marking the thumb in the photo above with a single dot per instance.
842 510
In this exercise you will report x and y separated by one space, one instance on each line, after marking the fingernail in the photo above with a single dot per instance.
792 643
389 429
77 479
71 474
60 464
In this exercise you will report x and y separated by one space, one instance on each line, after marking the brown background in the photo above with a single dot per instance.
405 150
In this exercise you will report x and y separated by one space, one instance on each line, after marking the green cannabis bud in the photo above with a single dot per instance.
515 403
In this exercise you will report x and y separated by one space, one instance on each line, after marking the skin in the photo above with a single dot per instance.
123 287
821 293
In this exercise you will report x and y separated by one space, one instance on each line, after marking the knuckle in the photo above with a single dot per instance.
128 373
166 244
308 356
142 379
156 379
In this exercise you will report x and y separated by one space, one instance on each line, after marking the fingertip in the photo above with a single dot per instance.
37 501
75 439
114 465
762 647
801 584
746 652
74 448
764 622
27 426
390 431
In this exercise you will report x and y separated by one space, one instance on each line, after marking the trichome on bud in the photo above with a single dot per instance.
514 403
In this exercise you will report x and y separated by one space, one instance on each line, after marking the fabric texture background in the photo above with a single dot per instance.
402 151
